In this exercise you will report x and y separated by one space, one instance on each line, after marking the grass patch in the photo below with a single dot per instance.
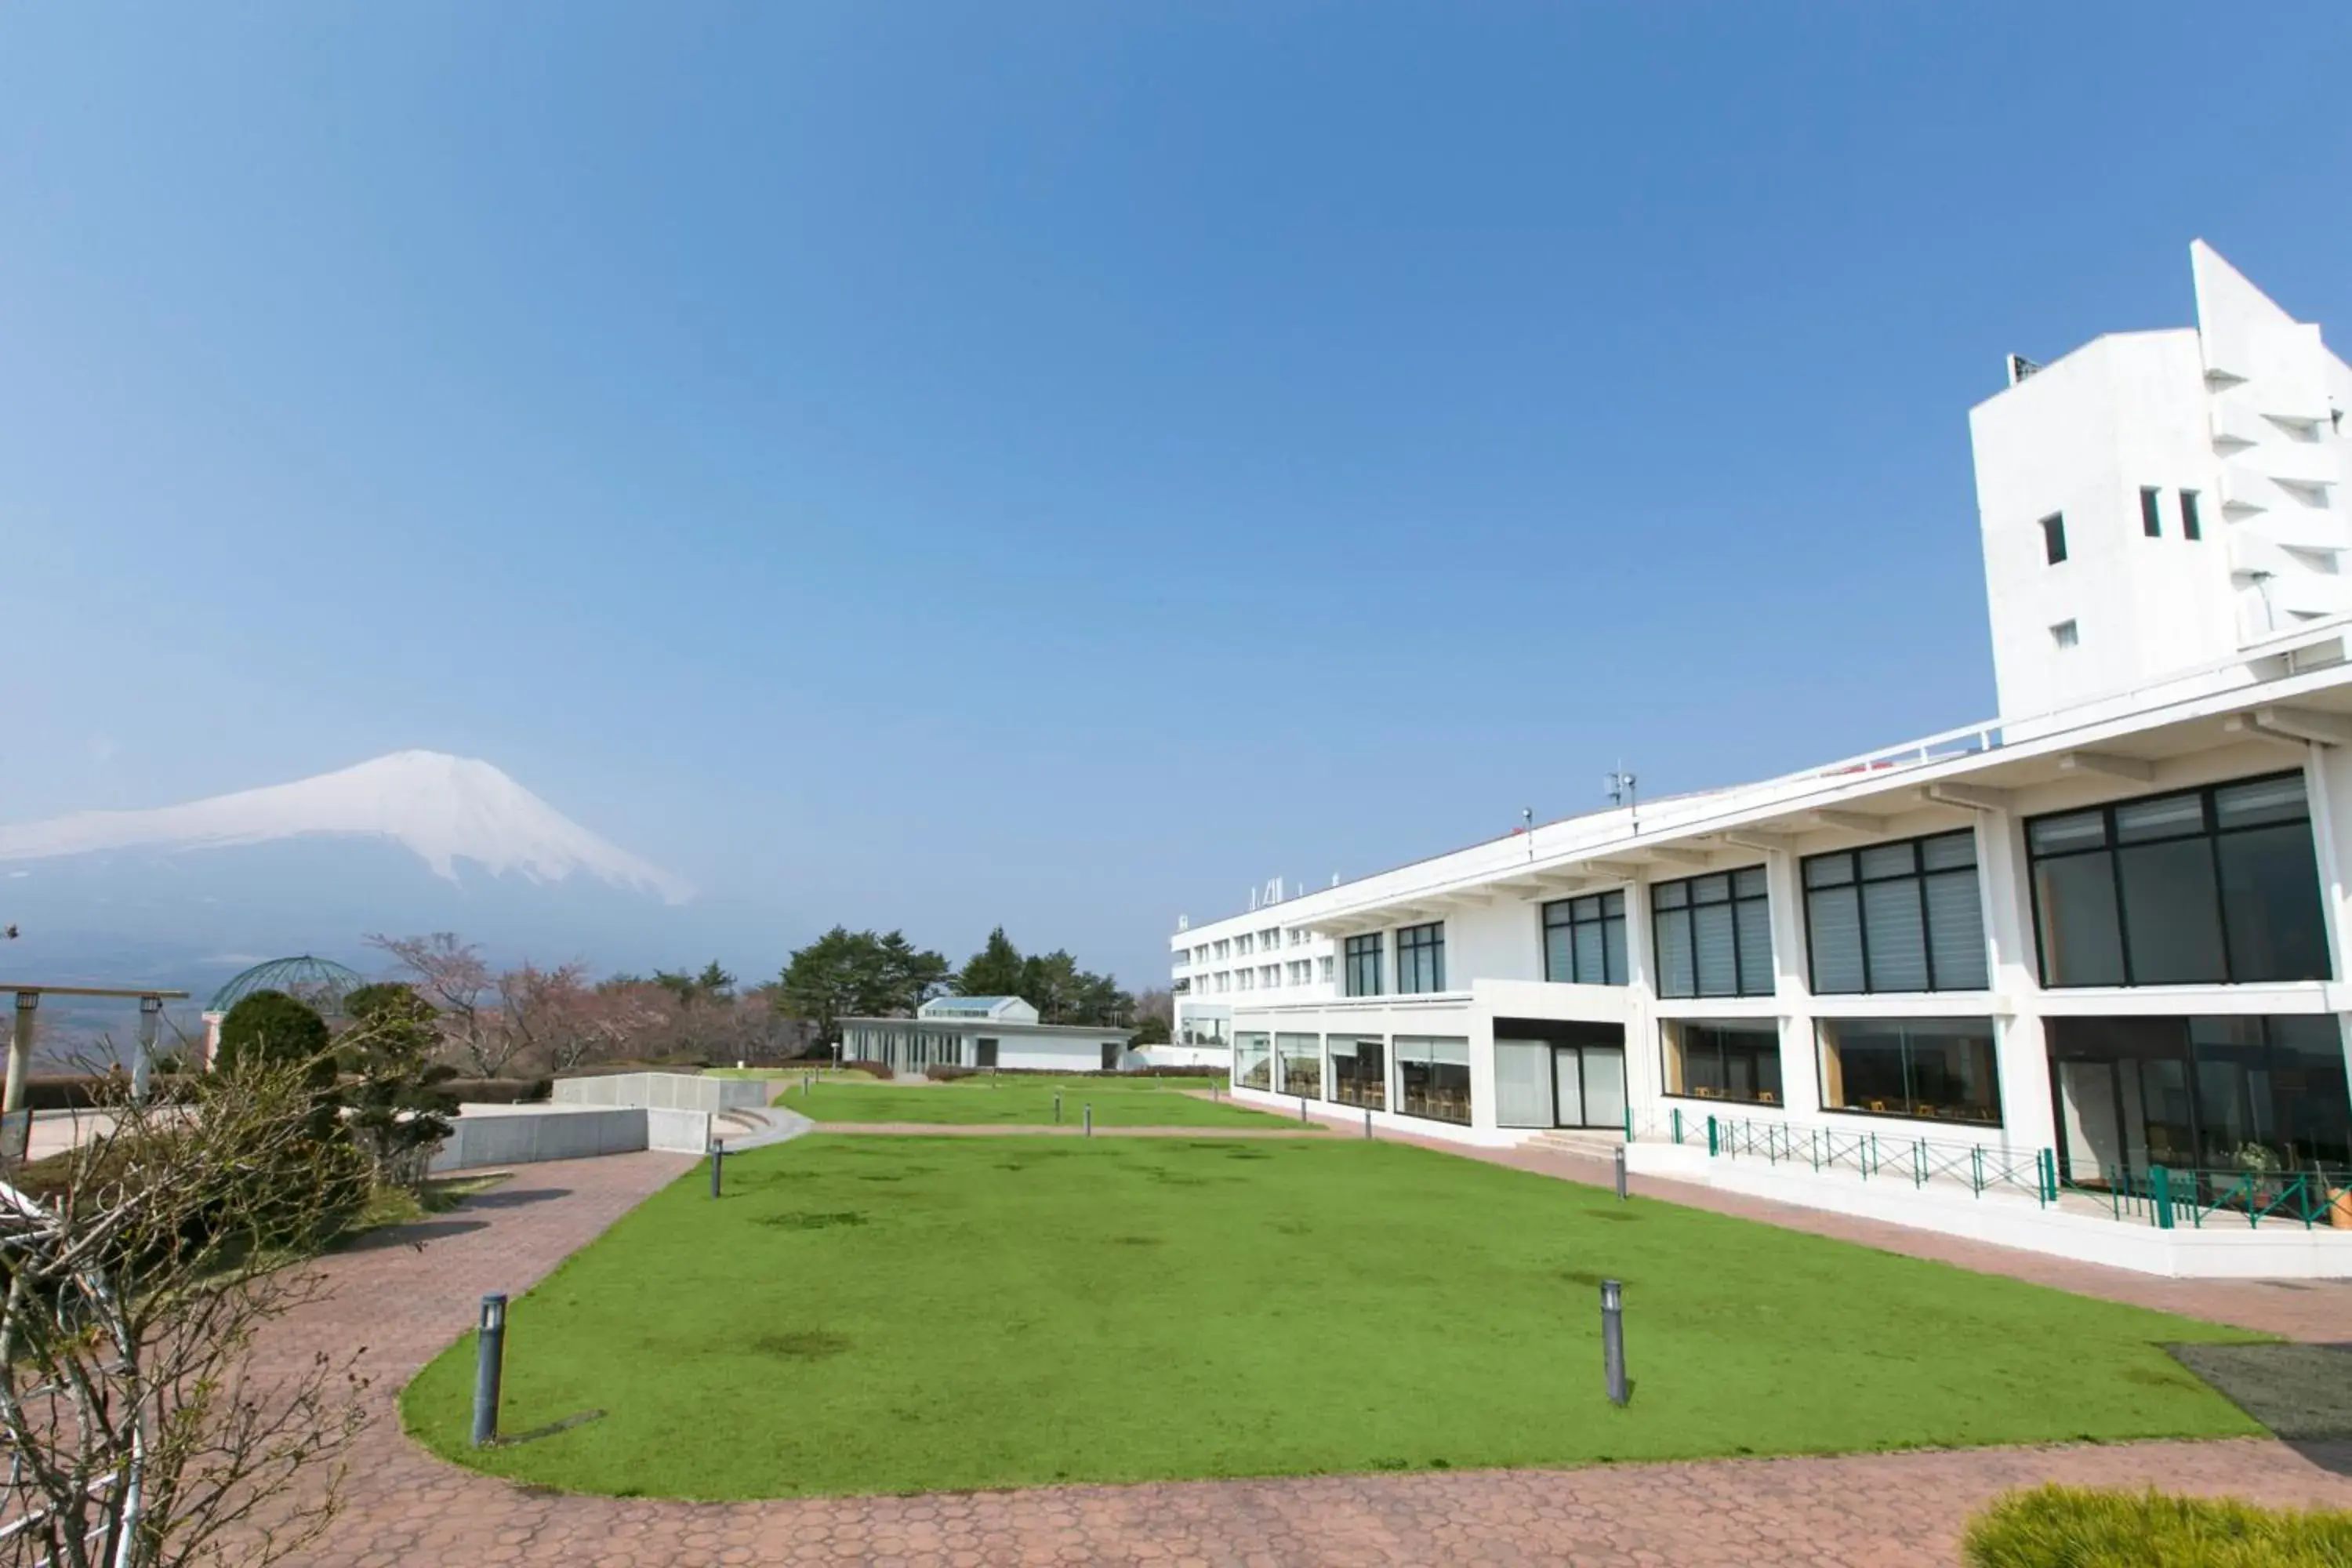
1025 1101
2070 1527
398 1206
1023 1310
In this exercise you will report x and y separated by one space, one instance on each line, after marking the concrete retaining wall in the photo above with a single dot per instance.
664 1091
523 1134
679 1132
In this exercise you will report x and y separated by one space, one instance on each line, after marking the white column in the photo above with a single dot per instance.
1792 990
2021 1052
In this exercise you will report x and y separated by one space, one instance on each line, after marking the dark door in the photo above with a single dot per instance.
984 1054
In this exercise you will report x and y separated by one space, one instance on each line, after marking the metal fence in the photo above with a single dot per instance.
2166 1198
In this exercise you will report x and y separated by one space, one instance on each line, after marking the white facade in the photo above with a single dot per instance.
999 1032
2193 482
2054 963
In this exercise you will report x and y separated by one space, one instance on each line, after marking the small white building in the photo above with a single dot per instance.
986 1031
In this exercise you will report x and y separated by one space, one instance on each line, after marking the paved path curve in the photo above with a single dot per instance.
406 1508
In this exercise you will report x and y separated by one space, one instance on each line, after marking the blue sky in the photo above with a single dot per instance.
1061 464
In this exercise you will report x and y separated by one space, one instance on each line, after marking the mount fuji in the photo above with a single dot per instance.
411 842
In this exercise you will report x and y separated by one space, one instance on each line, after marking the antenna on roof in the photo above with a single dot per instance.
1621 787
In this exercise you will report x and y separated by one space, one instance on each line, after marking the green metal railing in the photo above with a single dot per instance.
2168 1197
1871 1153
2171 1196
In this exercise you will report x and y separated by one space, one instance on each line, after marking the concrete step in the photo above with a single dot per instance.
1583 1142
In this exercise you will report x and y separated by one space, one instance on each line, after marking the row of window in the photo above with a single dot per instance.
1266 977
2202 886
1269 940
1938 1069
1432 1072
1420 960
2151 522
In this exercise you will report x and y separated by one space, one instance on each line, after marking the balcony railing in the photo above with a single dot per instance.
2170 1197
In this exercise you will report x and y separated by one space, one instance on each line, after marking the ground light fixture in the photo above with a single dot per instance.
1613 1341
718 1163
1621 1173
489 1359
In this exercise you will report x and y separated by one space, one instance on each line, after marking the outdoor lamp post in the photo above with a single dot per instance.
1612 1340
490 1348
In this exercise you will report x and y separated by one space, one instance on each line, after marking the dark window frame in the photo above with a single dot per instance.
1419 947
2151 511
2053 538
1918 876
1607 910
2209 829
1671 1039
1903 1028
1687 910
1362 973
2192 527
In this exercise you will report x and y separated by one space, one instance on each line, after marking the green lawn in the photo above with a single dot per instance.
978 1101
901 1313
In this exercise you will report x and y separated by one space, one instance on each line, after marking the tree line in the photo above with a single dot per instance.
498 1023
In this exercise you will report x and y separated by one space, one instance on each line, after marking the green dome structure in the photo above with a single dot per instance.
320 982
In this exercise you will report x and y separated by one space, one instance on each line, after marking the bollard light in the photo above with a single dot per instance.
1368 1122
1612 1340
1302 1108
1057 1107
490 1357
1620 1172
718 1162
1090 1113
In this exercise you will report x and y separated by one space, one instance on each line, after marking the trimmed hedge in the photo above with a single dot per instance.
871 1069
2076 1527
497 1090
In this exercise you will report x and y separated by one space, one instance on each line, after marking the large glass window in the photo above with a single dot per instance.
1359 1072
1420 957
2205 886
1301 1059
1724 1058
1714 935
1364 964
1433 1077
1896 917
1584 939
1252 1067
1938 1068
2225 1095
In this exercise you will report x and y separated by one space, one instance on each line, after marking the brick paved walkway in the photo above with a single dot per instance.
408 1508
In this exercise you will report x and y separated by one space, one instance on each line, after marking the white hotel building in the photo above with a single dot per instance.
2075 978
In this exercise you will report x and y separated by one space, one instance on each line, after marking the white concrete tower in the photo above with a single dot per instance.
2156 499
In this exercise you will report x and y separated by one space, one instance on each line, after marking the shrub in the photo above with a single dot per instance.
2072 1527
871 1069
497 1090
940 1073
84 1093
273 1027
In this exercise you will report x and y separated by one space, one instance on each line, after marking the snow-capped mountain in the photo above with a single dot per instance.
444 809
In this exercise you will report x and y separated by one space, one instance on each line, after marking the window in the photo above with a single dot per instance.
2215 885
1180 987
1298 971
1110 1054
2151 520
1301 1059
1896 917
1323 967
1420 957
2054 537
1364 964
1242 946
1584 939
2209 1093
2065 635
1359 1072
1433 1077
1267 940
1724 1058
1270 976
1714 935
1250 1062
2191 526
1936 1068
1245 979
1224 948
